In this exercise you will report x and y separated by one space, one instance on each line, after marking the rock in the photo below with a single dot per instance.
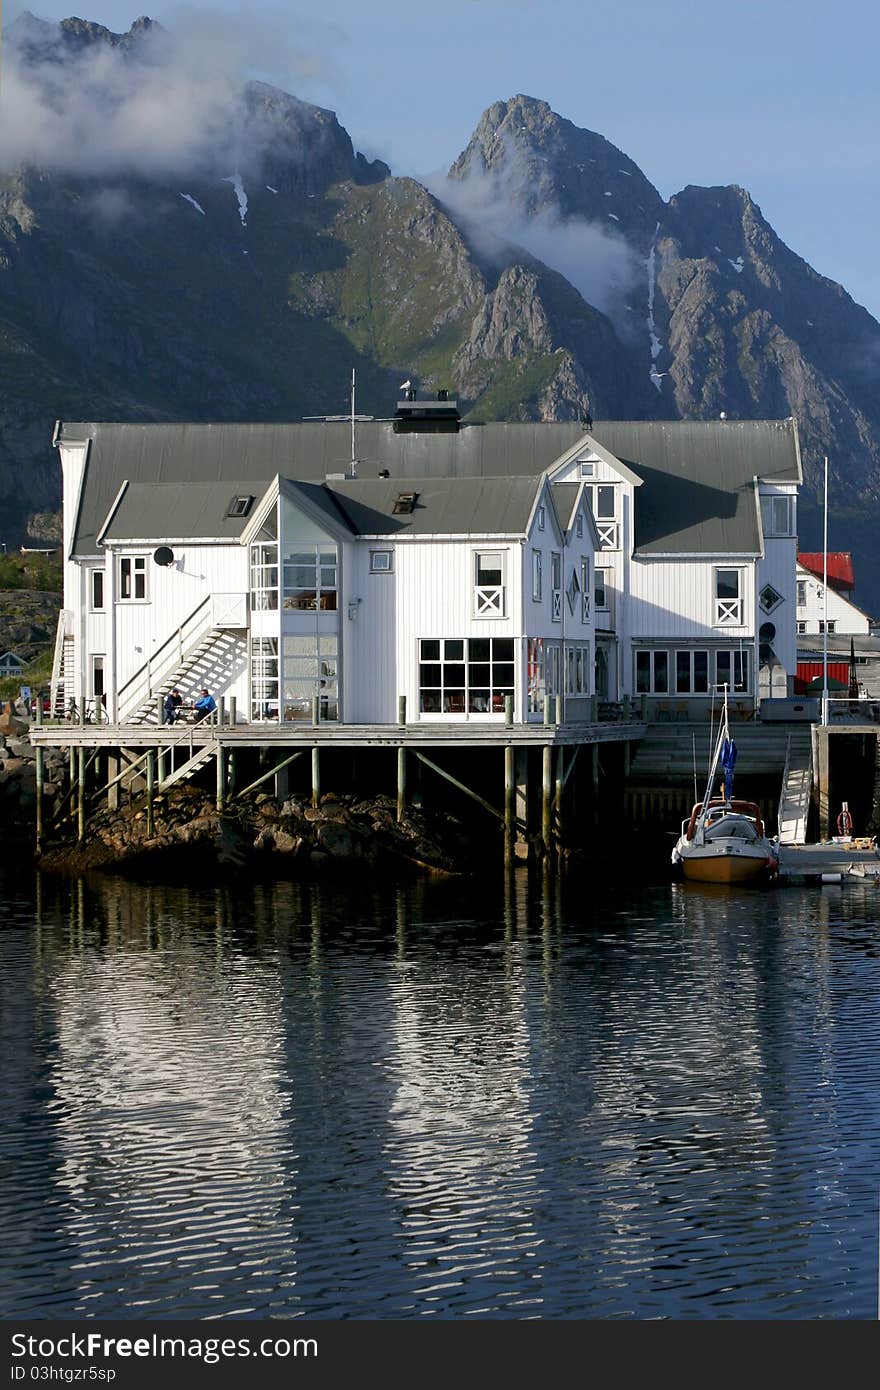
20 748
319 860
335 840
288 844
9 724
314 813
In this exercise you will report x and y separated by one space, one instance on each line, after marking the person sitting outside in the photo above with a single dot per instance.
173 701
204 705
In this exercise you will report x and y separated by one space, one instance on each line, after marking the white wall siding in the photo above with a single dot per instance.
676 599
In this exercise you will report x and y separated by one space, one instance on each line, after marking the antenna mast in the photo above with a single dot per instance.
353 453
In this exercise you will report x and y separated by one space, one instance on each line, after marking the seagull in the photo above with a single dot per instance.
404 386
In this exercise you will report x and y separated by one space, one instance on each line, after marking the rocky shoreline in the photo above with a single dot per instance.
258 833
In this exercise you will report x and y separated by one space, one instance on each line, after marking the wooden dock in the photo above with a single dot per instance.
829 861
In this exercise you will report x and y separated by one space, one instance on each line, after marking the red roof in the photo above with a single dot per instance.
840 567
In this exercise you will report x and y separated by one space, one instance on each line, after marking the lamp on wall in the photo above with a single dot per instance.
353 605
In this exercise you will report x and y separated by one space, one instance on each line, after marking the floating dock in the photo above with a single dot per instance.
831 861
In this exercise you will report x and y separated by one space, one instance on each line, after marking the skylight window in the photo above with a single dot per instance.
405 503
239 506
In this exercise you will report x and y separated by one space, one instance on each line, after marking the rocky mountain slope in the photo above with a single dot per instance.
544 279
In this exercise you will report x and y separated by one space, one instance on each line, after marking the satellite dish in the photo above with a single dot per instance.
767 632
164 555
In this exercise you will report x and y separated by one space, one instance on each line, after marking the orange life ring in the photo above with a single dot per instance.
844 823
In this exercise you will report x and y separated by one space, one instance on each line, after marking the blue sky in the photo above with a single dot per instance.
780 96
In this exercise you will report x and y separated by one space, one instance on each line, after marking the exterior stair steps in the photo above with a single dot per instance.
666 753
189 768
794 799
195 670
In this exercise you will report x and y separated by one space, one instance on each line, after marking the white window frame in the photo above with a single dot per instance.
801 626
728 612
604 606
93 579
578 666
652 653
537 576
801 600
490 600
541 518
579 526
556 572
777 514
739 657
691 653
130 568
376 568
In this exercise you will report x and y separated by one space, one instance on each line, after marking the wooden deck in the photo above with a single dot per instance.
427 735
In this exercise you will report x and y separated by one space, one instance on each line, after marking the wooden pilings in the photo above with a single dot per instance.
509 803
151 792
40 773
81 794
316 775
401 783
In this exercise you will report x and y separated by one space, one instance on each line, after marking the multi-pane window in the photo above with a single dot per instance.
802 593
309 578
537 576
604 504
776 516
465 675
829 626
310 671
264 576
652 672
556 586
728 598
132 578
801 626
691 672
264 678
544 672
732 669
97 589
577 669
488 584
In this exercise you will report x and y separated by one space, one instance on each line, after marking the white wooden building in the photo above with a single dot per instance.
452 564
843 616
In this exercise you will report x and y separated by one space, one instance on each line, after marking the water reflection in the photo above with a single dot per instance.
537 1099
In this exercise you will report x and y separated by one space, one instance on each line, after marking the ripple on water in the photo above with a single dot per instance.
278 1102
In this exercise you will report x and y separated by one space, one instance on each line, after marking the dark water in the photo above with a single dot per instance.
595 1101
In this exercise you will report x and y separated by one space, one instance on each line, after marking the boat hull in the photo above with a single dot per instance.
726 868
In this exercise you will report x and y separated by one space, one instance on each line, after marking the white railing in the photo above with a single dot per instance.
63 629
728 612
489 601
216 611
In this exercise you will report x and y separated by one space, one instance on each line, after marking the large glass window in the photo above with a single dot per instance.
577 669
465 676
309 577
264 576
732 669
544 672
604 503
691 672
132 578
652 673
264 678
310 669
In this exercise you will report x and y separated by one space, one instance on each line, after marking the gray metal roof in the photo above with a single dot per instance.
698 496
151 511
444 506
229 453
